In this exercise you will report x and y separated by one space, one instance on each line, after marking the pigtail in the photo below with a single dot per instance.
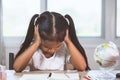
29 35
74 38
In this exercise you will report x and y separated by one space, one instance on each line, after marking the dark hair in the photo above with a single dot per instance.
52 27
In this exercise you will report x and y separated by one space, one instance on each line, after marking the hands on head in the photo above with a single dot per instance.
67 37
37 38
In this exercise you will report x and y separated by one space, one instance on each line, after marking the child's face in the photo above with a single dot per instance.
50 47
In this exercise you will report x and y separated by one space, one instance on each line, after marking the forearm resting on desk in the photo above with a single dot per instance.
22 60
76 59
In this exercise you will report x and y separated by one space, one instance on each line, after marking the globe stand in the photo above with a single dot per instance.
106 72
106 75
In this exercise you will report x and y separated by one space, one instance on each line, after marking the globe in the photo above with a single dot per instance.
106 55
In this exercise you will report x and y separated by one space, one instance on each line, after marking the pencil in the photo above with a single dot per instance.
50 74
66 75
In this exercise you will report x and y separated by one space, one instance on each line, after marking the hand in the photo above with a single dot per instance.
67 38
37 38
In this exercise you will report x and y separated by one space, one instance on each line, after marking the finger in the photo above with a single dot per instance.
36 29
67 32
87 78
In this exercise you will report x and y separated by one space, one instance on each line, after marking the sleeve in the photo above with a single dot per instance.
68 65
67 55
30 62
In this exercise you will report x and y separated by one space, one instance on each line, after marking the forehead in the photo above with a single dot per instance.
51 43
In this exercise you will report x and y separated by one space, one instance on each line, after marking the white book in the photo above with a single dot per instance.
65 76
54 76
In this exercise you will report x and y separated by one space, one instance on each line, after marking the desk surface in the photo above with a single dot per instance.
12 75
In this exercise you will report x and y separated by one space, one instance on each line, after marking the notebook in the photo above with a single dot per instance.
54 76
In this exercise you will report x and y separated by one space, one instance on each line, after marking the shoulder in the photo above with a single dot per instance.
63 47
37 54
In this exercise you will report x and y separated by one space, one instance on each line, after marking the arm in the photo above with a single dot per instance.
22 60
76 59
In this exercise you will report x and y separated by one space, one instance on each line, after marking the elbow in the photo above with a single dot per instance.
82 67
17 68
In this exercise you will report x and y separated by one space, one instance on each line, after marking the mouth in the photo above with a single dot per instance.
48 54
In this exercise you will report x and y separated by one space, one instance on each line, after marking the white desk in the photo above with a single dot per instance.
11 75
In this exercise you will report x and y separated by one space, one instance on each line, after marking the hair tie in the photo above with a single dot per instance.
36 19
66 19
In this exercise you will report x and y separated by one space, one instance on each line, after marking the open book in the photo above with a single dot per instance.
51 76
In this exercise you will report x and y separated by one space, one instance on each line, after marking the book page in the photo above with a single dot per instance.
34 77
65 76
54 76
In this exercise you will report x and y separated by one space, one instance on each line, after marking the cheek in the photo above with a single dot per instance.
44 49
52 51
55 50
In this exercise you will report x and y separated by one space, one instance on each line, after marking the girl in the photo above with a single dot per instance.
50 44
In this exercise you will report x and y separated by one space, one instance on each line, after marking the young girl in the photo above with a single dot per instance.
50 44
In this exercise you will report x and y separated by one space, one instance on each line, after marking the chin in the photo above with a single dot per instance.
51 53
